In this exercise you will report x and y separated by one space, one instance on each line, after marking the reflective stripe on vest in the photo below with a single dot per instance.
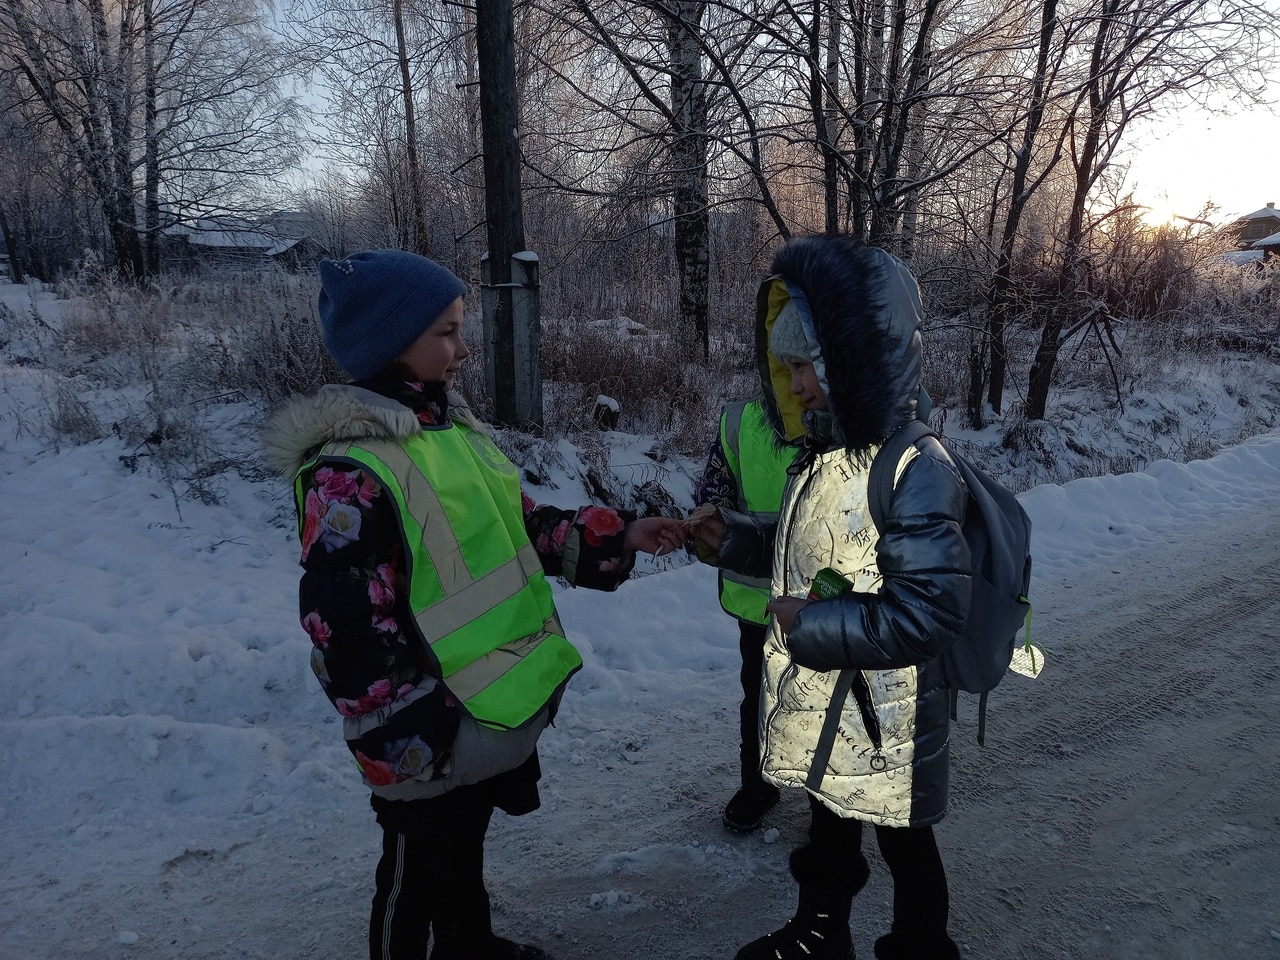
477 592
760 470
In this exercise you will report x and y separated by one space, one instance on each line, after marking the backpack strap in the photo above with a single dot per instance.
885 464
879 496
982 713
830 727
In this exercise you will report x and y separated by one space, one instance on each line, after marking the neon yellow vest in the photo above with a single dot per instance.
760 469
476 588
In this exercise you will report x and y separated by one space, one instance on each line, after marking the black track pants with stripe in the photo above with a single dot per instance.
431 878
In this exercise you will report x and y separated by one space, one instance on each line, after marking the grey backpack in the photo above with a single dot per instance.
999 534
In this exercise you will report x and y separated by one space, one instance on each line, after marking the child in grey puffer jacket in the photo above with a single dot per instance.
853 706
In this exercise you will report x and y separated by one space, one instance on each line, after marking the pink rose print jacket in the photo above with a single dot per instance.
353 598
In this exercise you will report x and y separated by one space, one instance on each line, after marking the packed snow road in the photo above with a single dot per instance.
1124 806
174 786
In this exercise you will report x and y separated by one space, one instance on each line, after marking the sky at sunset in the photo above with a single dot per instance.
1191 156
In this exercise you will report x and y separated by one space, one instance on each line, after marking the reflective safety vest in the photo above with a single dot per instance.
760 469
477 592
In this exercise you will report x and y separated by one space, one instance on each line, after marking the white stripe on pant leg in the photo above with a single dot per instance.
396 885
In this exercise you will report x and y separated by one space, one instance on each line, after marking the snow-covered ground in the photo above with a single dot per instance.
173 783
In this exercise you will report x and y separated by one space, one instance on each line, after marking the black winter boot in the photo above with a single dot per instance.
818 931
490 948
463 929
900 946
504 949
746 810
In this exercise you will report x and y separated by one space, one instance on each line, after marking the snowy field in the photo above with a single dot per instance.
174 785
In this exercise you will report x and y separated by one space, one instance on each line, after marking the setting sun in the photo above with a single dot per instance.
1160 212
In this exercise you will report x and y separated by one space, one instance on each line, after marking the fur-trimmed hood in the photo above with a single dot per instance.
342 412
861 308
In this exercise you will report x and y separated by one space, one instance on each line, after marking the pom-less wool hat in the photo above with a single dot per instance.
373 305
787 338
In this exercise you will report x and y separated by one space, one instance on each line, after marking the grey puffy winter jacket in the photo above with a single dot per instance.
873 652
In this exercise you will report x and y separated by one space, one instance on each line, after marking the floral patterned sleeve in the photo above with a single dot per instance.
717 486
366 650
353 598
584 546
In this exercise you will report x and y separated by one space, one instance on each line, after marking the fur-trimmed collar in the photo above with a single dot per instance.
343 412
866 313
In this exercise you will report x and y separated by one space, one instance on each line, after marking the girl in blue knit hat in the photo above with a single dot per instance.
424 592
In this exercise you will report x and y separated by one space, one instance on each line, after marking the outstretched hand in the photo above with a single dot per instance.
707 527
656 535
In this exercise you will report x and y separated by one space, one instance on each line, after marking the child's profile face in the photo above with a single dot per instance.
439 352
805 385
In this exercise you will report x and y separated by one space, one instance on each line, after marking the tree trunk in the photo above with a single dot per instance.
896 120
823 88
1067 296
689 168
421 243
1000 293
11 246
869 91
151 186
119 135
474 209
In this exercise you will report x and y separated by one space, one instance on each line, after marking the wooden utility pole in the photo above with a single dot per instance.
511 374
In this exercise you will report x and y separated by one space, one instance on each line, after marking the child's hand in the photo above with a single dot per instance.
785 610
706 524
656 535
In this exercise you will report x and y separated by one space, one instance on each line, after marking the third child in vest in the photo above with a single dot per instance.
425 595
858 620
745 472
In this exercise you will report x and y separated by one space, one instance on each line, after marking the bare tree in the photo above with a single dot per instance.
172 102
38 214
999 296
689 166
1139 52
421 243
971 136
222 132
660 102
402 114
73 61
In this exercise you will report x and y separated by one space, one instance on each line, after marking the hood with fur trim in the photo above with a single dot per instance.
861 307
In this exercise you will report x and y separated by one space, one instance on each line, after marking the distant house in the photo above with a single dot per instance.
228 242
1259 225
298 254
1269 246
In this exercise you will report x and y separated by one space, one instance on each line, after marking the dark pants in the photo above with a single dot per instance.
430 879
751 637
833 858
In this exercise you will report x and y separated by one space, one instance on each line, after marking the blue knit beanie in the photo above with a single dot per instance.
373 305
